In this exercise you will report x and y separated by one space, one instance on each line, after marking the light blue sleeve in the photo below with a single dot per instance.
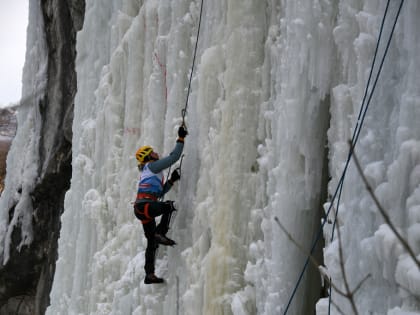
165 162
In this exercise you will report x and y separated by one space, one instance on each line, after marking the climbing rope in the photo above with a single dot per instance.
184 110
183 113
179 169
363 108
354 140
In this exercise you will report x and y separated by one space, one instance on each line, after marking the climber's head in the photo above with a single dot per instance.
146 154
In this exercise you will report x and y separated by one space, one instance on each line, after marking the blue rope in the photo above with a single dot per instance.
356 134
357 131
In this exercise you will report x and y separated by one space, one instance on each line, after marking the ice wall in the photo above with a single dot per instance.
269 74
388 150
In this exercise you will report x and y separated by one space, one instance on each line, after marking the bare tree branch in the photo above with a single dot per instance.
402 287
337 307
361 283
348 294
383 212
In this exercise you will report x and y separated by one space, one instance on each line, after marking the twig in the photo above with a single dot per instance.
300 247
384 214
18 306
348 294
416 297
361 283
338 308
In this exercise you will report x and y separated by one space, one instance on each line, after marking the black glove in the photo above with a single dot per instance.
182 132
174 177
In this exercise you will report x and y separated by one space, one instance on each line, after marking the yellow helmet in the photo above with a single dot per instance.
142 153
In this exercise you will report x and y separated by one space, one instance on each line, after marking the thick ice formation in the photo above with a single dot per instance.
276 83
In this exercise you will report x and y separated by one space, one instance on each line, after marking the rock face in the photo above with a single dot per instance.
7 132
26 278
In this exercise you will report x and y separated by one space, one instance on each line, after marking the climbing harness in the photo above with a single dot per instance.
144 215
354 140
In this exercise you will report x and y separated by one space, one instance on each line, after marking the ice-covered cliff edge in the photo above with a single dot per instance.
39 162
269 75
7 132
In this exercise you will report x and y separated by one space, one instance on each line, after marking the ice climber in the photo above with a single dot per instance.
147 207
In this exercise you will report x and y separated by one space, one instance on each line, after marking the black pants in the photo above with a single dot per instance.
147 212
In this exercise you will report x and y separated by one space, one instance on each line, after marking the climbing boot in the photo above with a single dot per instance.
170 205
151 278
162 239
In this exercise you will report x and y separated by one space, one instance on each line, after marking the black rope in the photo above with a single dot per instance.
179 168
184 110
171 215
356 134
363 109
329 298
169 172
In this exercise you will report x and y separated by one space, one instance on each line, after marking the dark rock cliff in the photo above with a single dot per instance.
26 278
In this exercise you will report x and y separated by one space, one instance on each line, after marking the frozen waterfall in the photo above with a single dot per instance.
274 100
